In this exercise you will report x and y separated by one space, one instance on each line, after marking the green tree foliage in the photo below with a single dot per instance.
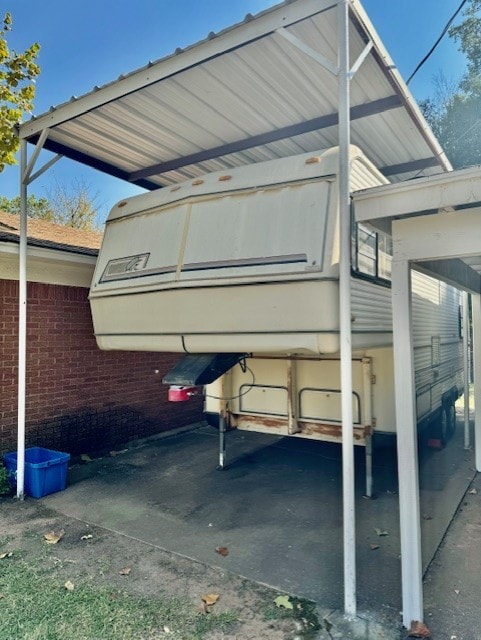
17 91
36 207
72 206
455 114
468 36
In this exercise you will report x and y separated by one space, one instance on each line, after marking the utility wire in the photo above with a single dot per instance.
443 33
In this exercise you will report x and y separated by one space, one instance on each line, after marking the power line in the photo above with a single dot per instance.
443 33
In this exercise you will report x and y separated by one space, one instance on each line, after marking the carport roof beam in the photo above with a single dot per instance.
322 122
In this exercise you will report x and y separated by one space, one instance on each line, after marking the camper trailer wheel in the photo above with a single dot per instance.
443 430
451 417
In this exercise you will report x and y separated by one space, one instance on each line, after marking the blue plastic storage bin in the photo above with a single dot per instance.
45 470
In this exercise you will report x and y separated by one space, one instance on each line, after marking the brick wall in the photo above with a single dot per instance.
78 398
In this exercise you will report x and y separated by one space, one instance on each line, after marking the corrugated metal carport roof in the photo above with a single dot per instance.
245 95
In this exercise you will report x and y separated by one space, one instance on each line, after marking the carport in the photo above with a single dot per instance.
302 76
436 228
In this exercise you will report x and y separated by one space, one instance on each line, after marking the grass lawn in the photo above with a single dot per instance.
35 605
121 588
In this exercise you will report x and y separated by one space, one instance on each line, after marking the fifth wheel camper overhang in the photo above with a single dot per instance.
247 262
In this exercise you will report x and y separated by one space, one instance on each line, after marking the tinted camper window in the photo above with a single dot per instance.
371 253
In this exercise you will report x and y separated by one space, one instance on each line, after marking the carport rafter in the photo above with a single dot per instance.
315 124
140 177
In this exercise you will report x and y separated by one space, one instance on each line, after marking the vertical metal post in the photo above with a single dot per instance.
221 441
467 439
348 484
476 306
407 449
367 422
22 323
222 418
368 457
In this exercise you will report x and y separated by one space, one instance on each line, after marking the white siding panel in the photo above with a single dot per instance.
371 306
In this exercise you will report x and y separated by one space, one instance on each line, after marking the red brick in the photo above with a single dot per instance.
75 392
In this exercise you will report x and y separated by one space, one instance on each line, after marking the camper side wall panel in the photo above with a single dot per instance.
371 311
437 343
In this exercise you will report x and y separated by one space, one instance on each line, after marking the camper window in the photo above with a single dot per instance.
371 254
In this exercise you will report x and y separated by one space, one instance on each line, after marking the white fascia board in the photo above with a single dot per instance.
47 266
401 86
450 234
52 255
445 191
265 23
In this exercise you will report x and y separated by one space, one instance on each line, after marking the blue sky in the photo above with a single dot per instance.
92 42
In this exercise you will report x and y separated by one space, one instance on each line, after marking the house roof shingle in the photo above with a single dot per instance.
49 235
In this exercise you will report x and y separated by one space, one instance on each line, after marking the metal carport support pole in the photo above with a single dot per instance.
466 343
22 322
476 305
349 525
407 449
26 178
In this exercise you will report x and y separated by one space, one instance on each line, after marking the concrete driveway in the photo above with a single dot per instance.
278 508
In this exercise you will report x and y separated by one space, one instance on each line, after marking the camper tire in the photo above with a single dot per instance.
443 429
446 422
451 418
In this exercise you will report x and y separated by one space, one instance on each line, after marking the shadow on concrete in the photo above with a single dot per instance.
278 509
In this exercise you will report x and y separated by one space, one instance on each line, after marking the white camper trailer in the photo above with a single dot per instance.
246 263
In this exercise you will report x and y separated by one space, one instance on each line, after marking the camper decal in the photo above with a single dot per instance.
124 266
135 266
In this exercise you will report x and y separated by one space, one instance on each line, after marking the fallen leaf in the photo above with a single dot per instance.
88 536
69 585
53 538
473 491
85 458
427 517
125 571
210 599
456 591
222 551
418 630
283 601
6 554
374 547
381 532
117 453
